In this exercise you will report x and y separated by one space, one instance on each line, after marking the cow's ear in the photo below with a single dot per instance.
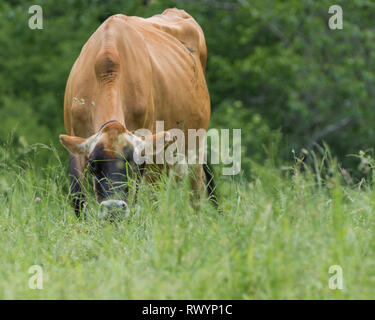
74 145
160 140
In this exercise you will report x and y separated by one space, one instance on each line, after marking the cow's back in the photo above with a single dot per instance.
138 71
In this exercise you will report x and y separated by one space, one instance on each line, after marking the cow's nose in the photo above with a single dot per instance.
112 208
114 204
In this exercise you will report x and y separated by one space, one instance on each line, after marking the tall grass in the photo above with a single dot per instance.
275 238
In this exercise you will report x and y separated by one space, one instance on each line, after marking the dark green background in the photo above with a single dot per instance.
274 69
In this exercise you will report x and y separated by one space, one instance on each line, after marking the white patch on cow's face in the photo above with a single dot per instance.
136 142
138 145
90 143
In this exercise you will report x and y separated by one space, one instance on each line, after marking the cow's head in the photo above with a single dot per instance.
113 155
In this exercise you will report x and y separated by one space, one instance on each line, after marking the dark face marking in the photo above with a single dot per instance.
112 171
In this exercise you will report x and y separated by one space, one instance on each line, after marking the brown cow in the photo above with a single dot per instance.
131 73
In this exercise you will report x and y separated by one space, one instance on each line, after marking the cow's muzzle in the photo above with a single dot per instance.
112 209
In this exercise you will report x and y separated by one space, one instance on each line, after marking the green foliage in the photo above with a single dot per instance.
258 141
274 239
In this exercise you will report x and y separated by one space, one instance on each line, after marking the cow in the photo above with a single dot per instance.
131 73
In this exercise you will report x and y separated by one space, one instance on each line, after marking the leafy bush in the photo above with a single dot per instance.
258 141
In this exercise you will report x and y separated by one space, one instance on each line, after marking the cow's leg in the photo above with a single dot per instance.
202 182
76 168
210 184
197 184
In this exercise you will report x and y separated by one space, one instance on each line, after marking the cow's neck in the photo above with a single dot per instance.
105 123
110 107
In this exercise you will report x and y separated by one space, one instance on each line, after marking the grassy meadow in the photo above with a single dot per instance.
276 236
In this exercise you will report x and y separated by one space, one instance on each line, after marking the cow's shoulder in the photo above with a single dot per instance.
182 26
176 13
